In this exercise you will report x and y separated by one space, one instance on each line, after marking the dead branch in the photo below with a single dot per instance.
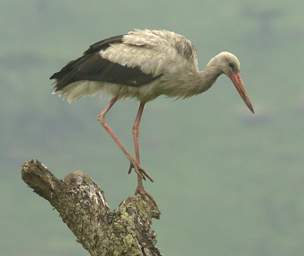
83 207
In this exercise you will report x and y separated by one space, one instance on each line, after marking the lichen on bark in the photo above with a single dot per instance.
83 207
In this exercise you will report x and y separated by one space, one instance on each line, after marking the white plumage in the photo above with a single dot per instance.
143 64
156 52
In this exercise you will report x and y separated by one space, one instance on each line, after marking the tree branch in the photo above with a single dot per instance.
83 207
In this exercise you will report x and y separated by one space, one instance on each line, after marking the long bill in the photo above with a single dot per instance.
239 85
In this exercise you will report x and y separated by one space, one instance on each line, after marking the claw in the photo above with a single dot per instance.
131 166
140 171
146 175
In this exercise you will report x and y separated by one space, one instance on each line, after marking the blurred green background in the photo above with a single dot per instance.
227 182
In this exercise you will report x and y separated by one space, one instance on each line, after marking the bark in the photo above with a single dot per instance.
83 207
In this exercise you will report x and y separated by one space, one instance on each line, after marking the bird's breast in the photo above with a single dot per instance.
178 85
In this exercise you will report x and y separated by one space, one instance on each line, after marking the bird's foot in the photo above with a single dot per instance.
140 190
139 170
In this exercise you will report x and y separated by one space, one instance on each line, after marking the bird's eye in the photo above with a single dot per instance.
231 65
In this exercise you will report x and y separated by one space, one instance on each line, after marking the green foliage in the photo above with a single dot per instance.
228 183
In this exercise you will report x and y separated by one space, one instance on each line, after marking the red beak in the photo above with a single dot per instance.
239 85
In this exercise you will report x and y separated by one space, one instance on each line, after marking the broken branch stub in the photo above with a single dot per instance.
83 207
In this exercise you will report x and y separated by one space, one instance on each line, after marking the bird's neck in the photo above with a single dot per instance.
207 77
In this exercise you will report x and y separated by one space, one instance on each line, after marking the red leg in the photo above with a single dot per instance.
101 117
135 132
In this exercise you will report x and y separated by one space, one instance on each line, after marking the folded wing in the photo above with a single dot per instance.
92 66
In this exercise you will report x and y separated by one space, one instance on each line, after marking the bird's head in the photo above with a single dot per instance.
229 64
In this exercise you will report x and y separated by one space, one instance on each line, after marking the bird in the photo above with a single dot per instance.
143 64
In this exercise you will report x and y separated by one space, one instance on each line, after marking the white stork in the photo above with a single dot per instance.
143 64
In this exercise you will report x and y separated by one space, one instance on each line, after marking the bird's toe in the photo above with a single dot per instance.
139 170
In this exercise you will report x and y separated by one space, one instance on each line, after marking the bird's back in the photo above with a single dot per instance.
125 64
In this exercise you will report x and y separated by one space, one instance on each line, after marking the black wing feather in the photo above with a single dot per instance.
92 67
103 44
